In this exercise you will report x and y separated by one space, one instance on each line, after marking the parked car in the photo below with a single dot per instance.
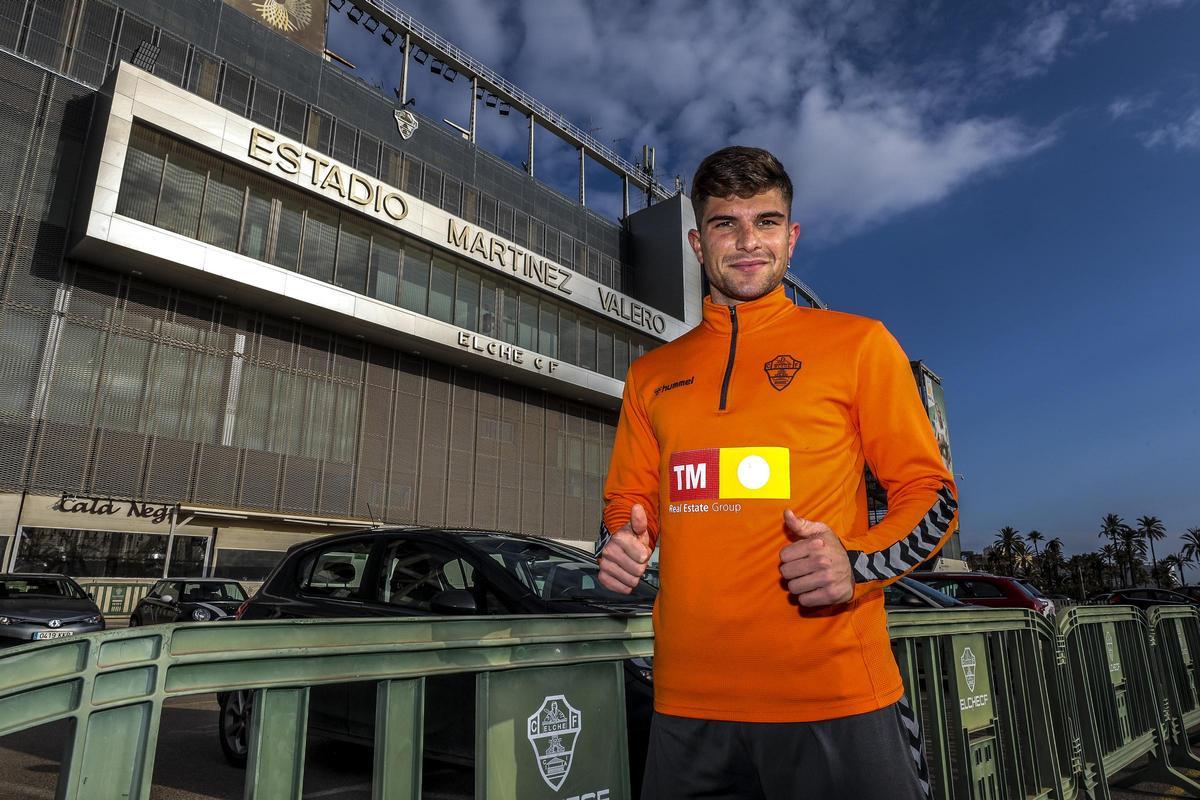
1190 592
907 593
188 600
982 589
427 571
1140 598
37 607
1036 592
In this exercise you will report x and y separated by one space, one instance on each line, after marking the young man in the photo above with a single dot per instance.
740 453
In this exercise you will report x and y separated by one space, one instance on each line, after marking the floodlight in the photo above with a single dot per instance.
450 74
337 4
371 24
491 101
436 67
420 56
355 13
505 108
479 93
145 56
389 36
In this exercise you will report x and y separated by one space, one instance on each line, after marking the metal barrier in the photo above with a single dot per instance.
1009 706
1174 637
979 682
541 683
115 598
1121 694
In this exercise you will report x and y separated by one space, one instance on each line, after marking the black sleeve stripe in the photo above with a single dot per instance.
602 537
909 551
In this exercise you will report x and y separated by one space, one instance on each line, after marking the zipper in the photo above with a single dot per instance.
732 352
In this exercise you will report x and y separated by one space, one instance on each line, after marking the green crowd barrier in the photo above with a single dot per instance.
1009 704
116 598
549 704
987 702
1124 694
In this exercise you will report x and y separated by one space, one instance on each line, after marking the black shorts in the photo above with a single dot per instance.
864 757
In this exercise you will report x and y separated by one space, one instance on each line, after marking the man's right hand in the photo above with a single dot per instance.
623 560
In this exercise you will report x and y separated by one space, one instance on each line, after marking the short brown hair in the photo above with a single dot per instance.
741 171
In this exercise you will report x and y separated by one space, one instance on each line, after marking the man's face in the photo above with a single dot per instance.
744 245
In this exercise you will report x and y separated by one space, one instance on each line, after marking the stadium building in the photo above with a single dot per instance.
246 298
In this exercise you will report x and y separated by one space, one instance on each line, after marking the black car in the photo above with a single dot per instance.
425 571
188 600
36 607
1140 598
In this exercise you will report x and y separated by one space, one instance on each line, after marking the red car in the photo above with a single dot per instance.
982 589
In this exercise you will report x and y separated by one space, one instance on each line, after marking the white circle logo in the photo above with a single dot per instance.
753 472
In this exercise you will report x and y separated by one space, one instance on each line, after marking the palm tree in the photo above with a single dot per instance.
1191 547
1133 547
1008 539
1150 529
1110 555
1033 537
1052 561
1110 527
1172 566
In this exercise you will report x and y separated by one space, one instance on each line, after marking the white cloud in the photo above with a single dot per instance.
1031 49
1129 10
1127 106
1181 135
862 162
865 136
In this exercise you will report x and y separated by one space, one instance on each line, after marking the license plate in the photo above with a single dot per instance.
53 634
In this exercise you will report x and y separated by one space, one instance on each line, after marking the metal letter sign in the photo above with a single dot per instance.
551 733
553 729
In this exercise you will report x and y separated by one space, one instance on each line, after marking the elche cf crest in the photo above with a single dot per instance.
780 371
968 662
552 730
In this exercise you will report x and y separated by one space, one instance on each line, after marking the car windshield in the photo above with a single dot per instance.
13 588
1033 590
227 592
939 598
554 572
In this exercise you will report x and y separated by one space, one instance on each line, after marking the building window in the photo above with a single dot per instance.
527 328
354 252
385 268
245 565
108 554
414 281
466 300
441 290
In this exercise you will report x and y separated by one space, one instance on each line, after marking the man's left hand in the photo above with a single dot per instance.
815 566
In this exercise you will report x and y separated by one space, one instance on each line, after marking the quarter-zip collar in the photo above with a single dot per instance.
751 316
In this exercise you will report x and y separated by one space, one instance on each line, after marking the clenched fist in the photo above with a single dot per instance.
623 560
815 566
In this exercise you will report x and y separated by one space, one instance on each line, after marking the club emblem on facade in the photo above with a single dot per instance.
552 730
780 371
286 15
968 667
406 123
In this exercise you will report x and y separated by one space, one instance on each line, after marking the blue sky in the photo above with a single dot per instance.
1015 191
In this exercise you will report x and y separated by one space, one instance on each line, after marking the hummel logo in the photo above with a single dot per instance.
666 387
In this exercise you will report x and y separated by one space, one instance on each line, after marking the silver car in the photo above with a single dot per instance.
37 607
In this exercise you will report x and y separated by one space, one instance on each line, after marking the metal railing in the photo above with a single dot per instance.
1010 705
464 62
113 684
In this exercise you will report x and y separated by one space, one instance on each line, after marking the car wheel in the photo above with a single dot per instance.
234 727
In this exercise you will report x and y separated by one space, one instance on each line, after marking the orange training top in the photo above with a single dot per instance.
762 407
